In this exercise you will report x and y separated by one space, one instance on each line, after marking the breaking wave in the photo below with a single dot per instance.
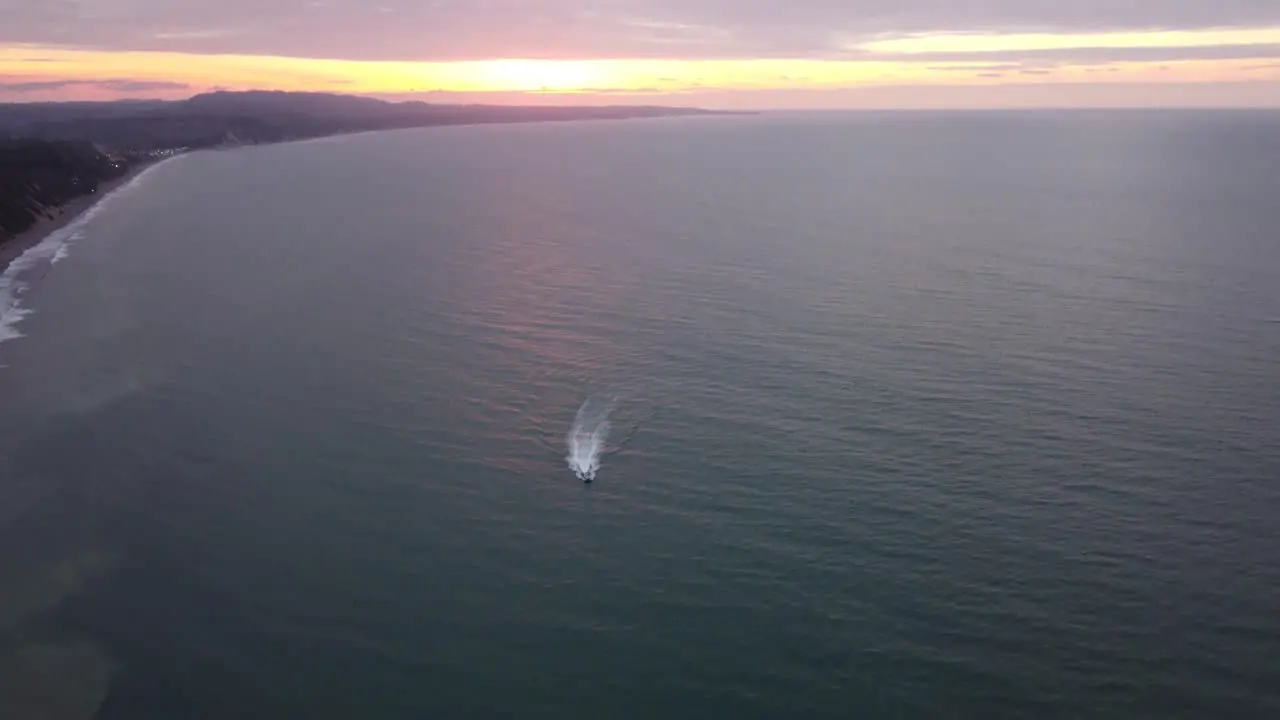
29 267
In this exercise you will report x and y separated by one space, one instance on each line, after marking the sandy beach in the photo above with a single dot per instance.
14 247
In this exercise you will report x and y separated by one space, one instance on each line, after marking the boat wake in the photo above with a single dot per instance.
587 438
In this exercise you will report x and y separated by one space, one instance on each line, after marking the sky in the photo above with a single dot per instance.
748 54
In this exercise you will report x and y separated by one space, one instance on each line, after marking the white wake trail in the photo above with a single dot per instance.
587 438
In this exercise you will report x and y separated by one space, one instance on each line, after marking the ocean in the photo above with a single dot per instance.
923 415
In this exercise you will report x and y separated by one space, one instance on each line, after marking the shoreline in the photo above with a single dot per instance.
16 246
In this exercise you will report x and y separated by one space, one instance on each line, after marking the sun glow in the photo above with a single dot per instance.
536 75
30 72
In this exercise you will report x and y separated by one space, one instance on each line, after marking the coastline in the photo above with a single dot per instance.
14 247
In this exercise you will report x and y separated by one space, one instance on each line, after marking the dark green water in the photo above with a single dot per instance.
913 417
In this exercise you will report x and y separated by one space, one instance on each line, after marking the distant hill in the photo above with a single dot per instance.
221 118
18 116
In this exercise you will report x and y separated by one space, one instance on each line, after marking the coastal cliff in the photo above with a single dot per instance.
38 177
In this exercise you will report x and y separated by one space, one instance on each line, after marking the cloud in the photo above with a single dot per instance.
478 29
977 67
1095 54
785 44
205 34
115 85
140 85
36 86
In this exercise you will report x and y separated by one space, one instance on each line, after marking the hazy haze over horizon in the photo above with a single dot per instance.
715 53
